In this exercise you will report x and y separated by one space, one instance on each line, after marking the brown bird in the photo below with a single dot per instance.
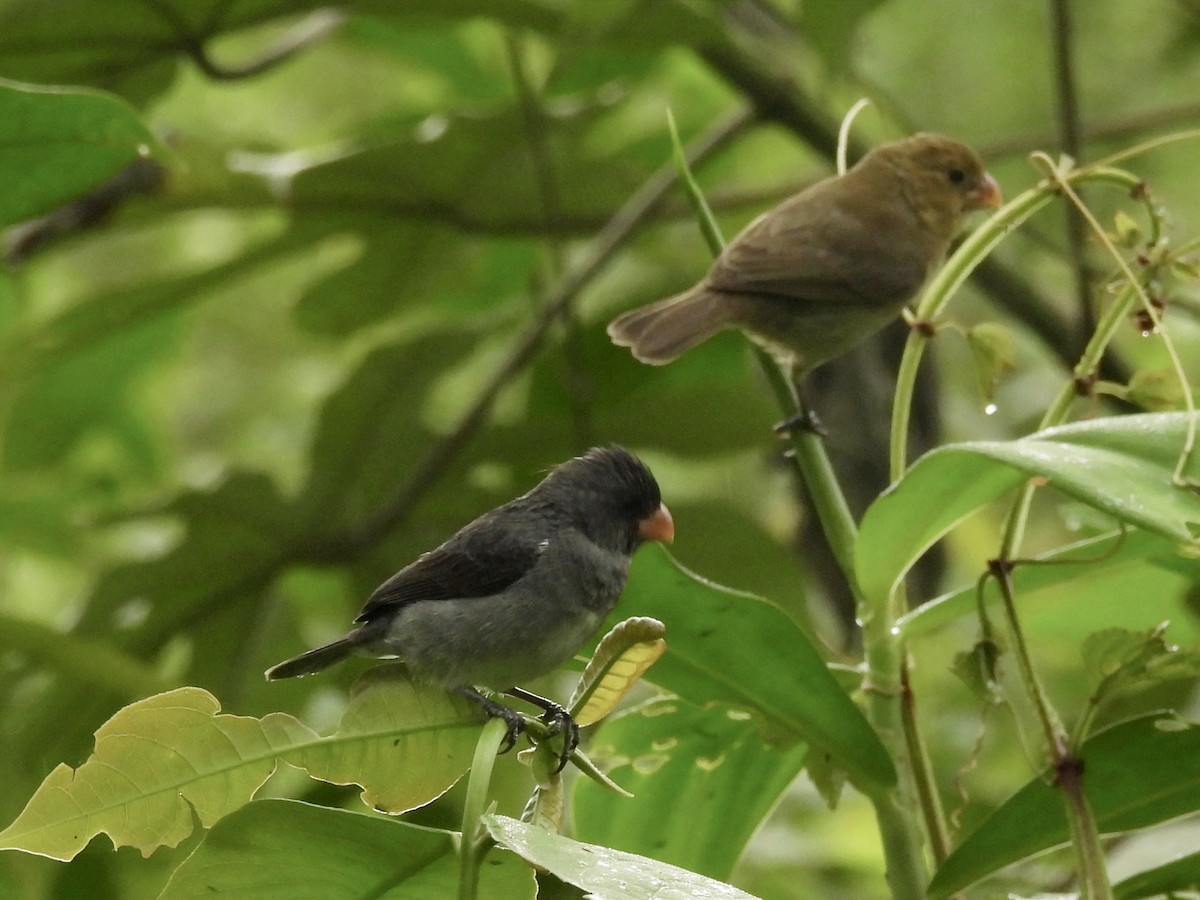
828 266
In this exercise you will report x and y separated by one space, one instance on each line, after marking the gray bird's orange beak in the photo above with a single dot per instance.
987 195
658 526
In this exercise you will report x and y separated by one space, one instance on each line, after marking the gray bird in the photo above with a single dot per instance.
515 593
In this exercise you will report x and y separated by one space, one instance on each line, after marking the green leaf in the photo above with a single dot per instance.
104 668
137 45
604 873
828 779
157 763
162 760
793 697
619 660
274 849
1121 662
994 351
1137 773
56 143
1126 231
1083 569
372 434
1116 652
710 766
830 27
1179 875
406 744
110 316
85 393
977 669
1122 466
1155 390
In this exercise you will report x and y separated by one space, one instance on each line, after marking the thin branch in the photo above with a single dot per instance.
600 252
545 177
312 28
1116 128
1071 142
778 98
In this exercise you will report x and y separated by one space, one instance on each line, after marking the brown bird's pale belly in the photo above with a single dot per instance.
803 336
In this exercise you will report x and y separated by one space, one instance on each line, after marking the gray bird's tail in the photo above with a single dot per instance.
313 660
659 332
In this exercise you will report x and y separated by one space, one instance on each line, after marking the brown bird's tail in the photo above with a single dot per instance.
314 660
659 332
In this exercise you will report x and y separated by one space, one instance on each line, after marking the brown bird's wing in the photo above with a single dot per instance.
482 559
824 247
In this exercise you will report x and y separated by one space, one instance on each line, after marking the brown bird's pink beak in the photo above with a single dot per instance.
987 195
658 526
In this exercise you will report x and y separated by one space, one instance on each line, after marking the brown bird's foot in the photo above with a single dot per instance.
494 710
802 420
557 719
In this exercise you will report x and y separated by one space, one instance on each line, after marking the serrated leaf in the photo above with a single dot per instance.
1122 466
619 660
1121 662
1137 773
161 760
157 762
272 849
604 873
977 669
1105 653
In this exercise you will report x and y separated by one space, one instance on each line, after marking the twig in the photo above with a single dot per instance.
1071 141
312 28
550 198
601 250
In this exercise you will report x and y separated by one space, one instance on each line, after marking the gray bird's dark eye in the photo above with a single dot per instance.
956 176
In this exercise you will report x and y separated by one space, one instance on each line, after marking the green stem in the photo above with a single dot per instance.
922 769
1056 413
890 705
1084 835
1085 838
1067 767
907 872
884 659
475 840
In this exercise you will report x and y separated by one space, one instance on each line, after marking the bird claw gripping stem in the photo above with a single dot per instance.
513 719
802 420
559 721
555 717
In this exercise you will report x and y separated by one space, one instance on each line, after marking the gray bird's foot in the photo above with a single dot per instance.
494 710
557 720
803 420
560 722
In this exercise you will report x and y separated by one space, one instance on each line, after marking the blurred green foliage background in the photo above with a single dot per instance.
350 301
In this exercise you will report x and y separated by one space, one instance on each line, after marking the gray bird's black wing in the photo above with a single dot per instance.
483 559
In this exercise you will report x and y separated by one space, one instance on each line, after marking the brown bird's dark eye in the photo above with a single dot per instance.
957 176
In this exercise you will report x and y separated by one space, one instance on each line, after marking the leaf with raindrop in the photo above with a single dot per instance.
995 352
